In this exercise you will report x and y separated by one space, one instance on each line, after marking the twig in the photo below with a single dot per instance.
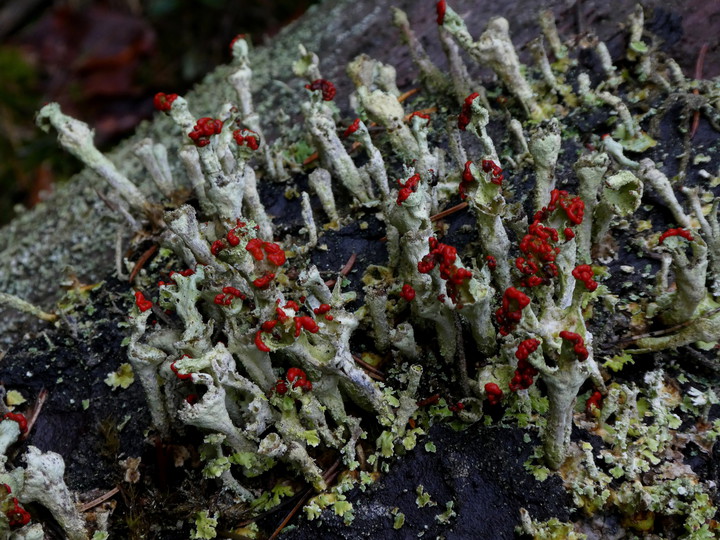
101 499
32 418
345 270
432 400
141 261
372 371
405 95
698 75
327 476
449 211
670 330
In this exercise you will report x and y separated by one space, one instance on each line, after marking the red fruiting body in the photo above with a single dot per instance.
186 273
584 273
268 326
408 293
291 304
457 407
295 373
181 376
676 232
275 253
282 317
17 515
19 418
419 115
445 256
298 378
226 298
574 207
513 302
304 322
222 300
466 112
329 317
513 297
232 238
254 247
539 253
352 128
408 188
492 168
493 392
569 234
466 179
322 309
236 38
259 342
579 344
246 137
524 373
264 281
234 292
593 402
526 348
326 87
204 129
217 246
192 398
141 302
163 102
441 6
281 387
491 262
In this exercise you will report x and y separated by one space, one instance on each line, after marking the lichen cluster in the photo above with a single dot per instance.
246 342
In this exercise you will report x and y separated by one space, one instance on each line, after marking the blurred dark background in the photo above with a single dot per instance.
103 61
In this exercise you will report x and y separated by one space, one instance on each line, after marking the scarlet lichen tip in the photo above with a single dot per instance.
163 102
304 322
181 376
578 344
17 515
441 7
263 282
217 246
141 302
584 273
466 179
466 112
259 342
510 313
352 128
492 168
19 418
593 402
408 188
322 309
676 232
204 129
326 87
493 392
419 115
408 293
247 137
